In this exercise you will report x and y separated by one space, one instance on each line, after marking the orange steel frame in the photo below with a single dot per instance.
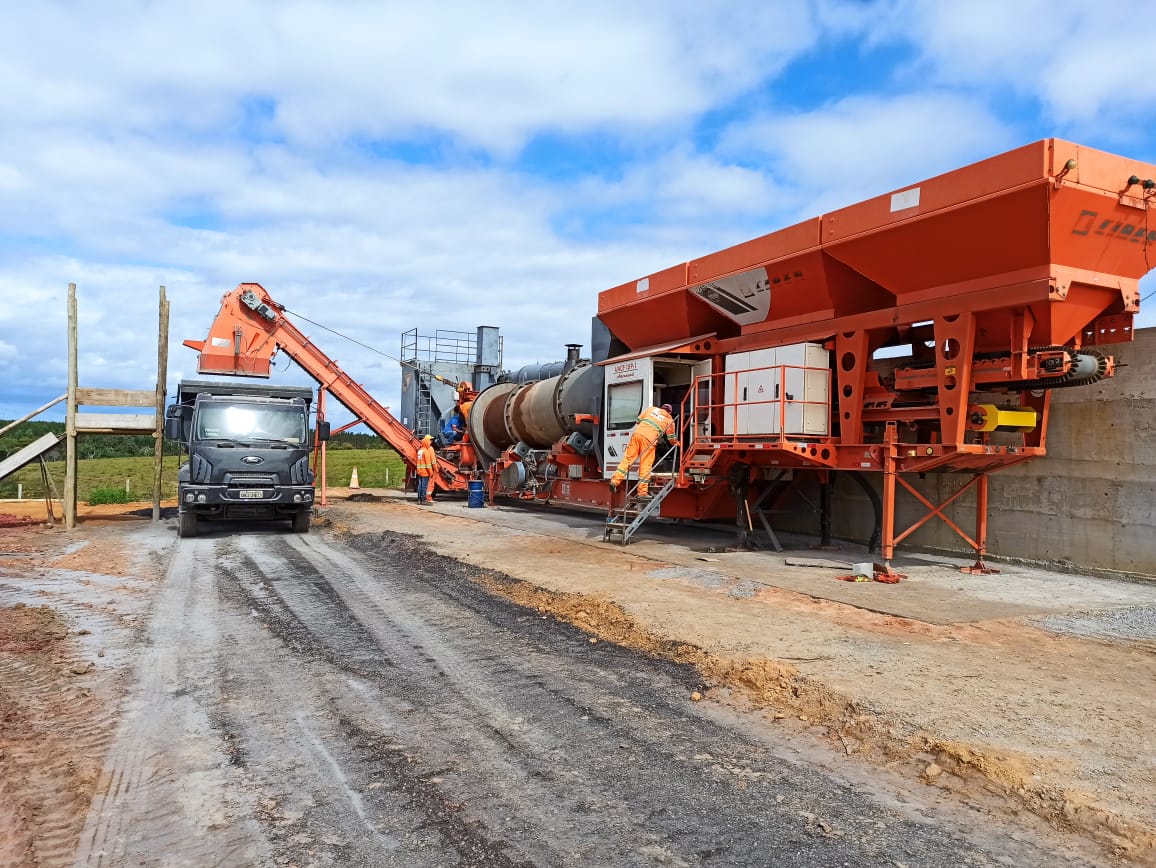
992 272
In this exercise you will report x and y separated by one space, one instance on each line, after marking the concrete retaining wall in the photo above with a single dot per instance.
1090 503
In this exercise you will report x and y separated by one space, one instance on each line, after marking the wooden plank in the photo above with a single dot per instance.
116 397
29 453
116 423
32 415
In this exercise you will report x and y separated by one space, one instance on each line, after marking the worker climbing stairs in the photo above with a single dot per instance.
624 520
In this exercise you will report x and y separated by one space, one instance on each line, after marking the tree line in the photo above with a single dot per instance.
135 445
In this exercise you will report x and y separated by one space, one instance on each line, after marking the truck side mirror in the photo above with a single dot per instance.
322 431
174 424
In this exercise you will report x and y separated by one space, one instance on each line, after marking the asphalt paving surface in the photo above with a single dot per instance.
326 700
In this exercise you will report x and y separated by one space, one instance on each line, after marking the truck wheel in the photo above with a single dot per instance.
301 521
187 524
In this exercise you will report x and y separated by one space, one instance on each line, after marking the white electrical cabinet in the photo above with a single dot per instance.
790 385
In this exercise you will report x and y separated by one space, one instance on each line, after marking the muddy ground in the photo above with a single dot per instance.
355 697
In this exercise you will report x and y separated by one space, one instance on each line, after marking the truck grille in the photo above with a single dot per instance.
251 480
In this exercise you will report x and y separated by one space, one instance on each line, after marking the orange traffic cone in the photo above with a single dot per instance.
353 483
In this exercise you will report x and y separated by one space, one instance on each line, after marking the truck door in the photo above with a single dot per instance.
629 386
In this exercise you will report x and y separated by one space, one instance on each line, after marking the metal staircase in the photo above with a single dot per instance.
625 520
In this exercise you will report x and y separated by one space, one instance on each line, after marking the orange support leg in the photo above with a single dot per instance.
979 567
887 544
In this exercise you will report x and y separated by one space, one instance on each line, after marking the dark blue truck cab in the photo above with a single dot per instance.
248 449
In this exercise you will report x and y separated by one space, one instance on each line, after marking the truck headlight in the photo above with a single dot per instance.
189 497
200 498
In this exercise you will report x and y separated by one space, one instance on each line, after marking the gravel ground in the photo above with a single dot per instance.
1135 623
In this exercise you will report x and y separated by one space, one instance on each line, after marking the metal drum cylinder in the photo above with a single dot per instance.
537 414
487 425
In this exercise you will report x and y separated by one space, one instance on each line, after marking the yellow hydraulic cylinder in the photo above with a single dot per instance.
989 417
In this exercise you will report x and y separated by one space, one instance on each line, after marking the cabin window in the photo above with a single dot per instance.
625 404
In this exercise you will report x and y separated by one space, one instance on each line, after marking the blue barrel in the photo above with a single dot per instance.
477 494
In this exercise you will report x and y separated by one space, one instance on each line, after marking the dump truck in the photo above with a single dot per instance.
248 448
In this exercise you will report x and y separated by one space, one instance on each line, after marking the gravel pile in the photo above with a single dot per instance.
1134 622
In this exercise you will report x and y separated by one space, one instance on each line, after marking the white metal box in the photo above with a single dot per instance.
791 383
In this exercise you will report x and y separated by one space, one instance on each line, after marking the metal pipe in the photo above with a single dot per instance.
572 356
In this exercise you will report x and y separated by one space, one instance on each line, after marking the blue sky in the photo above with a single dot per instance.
379 166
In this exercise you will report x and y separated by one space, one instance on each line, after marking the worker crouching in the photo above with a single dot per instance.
653 423
426 462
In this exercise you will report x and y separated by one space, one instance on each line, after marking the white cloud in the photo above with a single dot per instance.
1083 62
488 74
864 146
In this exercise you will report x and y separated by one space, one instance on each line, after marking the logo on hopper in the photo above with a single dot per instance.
1090 223
745 297
253 459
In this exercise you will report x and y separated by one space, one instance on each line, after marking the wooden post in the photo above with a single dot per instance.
70 418
162 388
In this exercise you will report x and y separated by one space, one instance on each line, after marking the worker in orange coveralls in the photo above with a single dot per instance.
426 462
465 400
653 423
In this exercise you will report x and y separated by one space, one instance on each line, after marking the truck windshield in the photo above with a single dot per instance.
251 422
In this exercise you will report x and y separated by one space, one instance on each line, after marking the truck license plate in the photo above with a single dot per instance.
250 494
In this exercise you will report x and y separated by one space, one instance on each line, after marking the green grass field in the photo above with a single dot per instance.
376 468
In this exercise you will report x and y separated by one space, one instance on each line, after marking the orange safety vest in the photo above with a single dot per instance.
426 460
659 420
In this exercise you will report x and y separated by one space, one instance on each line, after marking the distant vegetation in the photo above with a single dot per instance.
108 463
107 495
136 445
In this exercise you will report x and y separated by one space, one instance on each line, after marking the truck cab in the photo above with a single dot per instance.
248 450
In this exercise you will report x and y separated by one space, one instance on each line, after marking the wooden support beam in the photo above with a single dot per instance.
159 398
115 423
32 415
70 418
116 397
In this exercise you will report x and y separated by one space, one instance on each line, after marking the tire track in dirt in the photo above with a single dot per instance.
316 757
160 792
525 724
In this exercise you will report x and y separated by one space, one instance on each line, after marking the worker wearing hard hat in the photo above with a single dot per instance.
427 460
653 423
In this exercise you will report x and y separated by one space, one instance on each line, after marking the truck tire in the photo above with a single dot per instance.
187 524
301 520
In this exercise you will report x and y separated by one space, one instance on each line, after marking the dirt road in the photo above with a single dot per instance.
328 700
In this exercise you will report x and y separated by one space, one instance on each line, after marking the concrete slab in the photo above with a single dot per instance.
934 590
